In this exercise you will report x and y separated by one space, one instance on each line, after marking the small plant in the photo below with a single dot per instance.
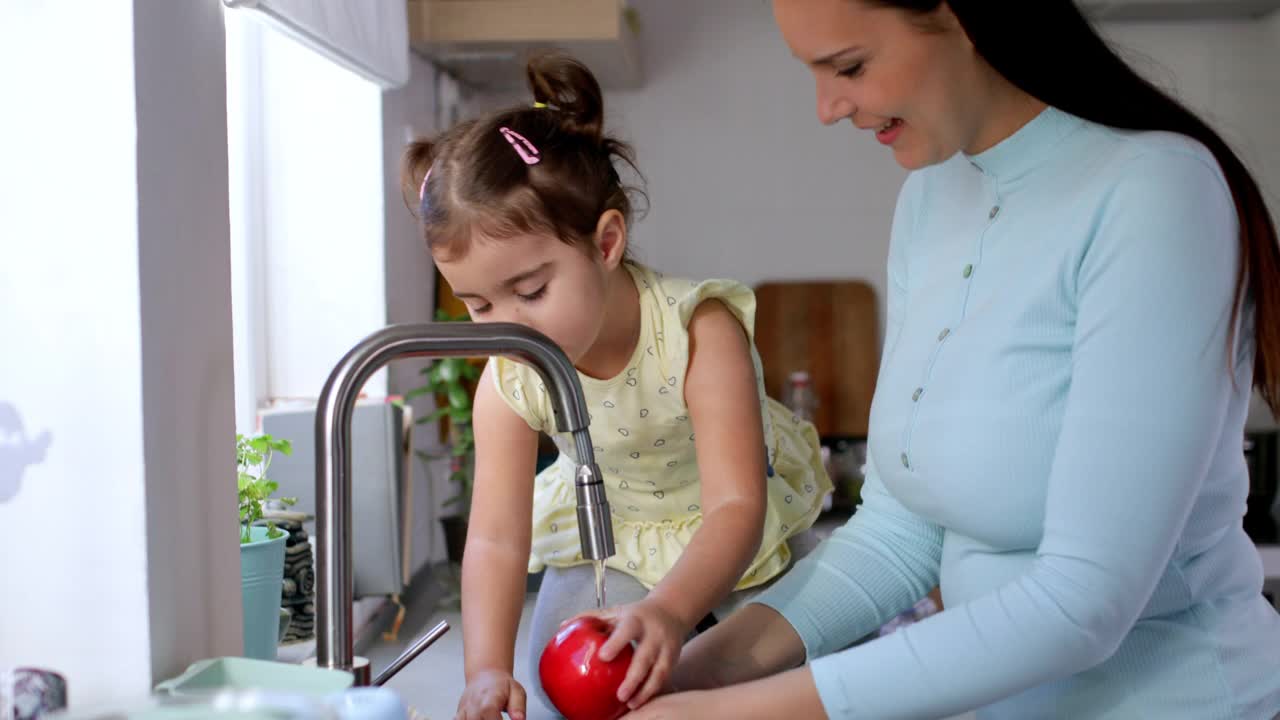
253 457
450 378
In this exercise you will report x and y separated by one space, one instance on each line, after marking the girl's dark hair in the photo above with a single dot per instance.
1073 69
480 187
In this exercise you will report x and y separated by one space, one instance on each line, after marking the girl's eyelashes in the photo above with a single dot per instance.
533 296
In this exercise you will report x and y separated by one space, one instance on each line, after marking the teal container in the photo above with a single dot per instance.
226 673
261 582
237 688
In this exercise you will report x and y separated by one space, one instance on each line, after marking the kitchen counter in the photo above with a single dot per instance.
431 684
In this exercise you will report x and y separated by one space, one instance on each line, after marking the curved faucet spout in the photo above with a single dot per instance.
334 578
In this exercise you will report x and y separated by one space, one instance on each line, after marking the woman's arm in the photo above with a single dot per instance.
1149 390
790 695
752 643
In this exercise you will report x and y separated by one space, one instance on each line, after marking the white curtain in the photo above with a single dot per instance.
371 37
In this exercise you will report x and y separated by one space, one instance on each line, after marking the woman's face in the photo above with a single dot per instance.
913 81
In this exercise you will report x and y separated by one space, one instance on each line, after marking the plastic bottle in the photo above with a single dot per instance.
800 397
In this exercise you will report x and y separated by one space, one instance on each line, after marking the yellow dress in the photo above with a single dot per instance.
644 444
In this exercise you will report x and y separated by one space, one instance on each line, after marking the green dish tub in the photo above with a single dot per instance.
236 673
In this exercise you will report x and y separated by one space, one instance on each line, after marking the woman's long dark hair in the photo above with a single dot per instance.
1073 69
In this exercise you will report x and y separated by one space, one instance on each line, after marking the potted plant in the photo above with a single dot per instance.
261 546
452 382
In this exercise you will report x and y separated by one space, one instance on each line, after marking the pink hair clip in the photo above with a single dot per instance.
525 149
422 191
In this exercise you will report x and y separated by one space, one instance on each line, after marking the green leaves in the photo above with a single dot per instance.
447 376
253 457
433 416
447 370
459 399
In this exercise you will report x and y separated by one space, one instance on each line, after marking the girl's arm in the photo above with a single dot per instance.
498 532
724 406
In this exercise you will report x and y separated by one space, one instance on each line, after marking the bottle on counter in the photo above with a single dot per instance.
800 396
801 399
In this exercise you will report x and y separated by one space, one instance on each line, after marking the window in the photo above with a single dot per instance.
306 201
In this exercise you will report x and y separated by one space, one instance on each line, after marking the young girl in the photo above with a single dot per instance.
526 217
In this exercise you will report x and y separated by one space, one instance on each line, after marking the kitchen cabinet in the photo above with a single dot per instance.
829 329
484 43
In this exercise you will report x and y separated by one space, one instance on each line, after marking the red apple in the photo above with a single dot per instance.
580 685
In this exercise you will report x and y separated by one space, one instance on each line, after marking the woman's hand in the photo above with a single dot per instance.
790 695
680 706
752 643
658 635
488 694
700 669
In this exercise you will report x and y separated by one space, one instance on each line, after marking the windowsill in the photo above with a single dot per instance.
364 615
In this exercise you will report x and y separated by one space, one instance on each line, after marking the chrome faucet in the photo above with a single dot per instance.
334 578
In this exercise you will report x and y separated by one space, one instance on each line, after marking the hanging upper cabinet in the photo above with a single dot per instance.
484 42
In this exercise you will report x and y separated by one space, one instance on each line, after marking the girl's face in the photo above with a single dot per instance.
915 82
558 289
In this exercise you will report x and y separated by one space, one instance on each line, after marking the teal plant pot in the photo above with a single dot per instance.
261 582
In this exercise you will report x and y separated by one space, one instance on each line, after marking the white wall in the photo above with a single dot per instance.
69 318
120 562
744 181
193 560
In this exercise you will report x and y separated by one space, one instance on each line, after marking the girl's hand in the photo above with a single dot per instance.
658 635
488 694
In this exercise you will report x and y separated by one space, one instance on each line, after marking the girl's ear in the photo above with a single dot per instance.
611 238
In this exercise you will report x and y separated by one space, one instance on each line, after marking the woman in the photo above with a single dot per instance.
1084 285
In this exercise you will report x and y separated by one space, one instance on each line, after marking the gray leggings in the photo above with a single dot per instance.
565 592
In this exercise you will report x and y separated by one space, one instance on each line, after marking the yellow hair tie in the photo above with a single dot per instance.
539 105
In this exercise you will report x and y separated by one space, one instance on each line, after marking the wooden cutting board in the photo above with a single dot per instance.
831 329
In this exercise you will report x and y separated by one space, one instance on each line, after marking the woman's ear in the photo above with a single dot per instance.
611 238
943 19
